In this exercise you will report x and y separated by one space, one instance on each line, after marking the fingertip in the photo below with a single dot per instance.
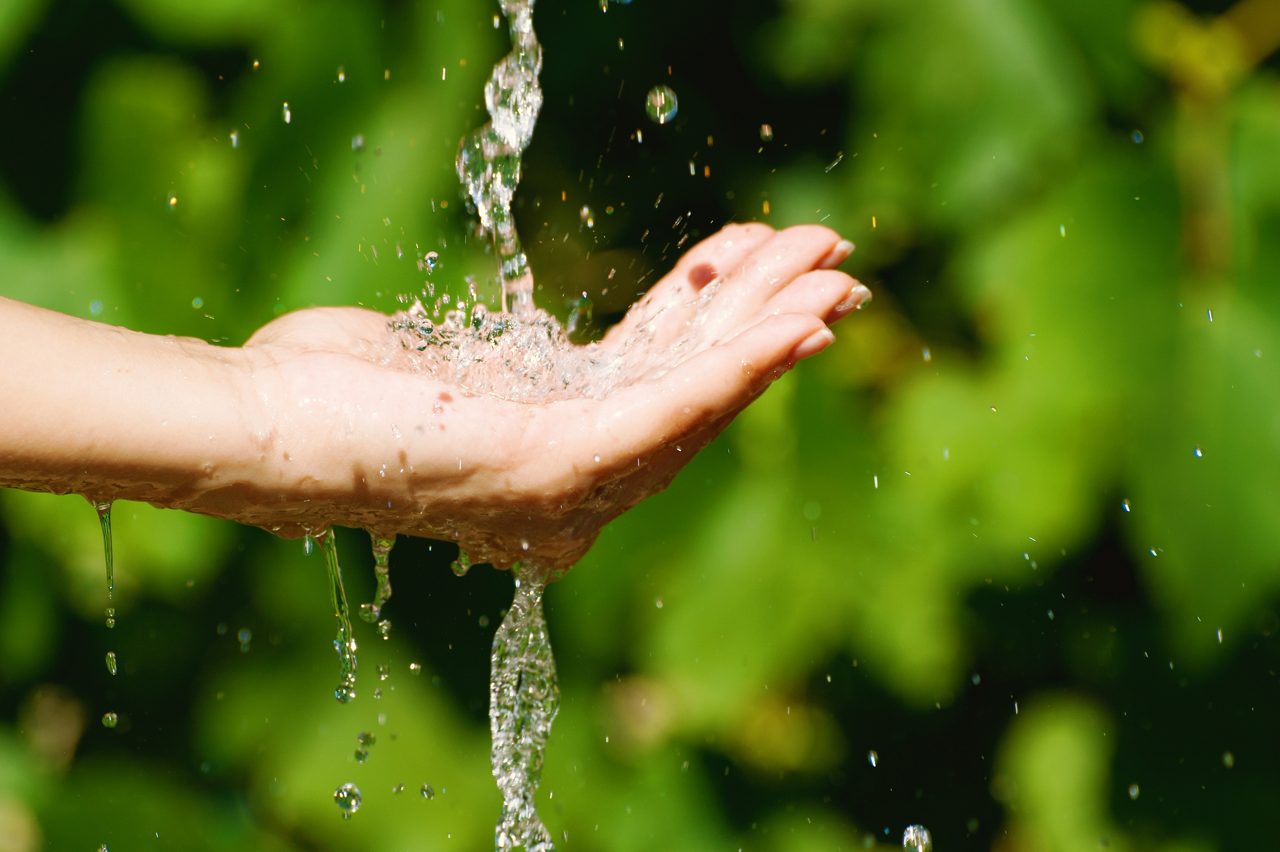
813 344
858 297
838 255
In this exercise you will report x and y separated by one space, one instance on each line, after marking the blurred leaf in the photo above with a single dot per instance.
17 17
1052 772
209 21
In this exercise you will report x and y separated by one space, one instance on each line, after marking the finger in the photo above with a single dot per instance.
716 383
332 329
828 295
710 259
721 253
777 262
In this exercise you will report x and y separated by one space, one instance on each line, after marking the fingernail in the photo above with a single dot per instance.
837 256
813 344
858 296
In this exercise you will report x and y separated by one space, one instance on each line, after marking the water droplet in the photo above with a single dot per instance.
245 635
1137 137
308 545
926 354
361 755
766 133
197 303
430 261
111 616
917 839
415 668
384 629
1228 760
580 318
357 142
234 136
661 105
110 720
587 217
873 758
462 564
1126 505
348 798
428 792
1198 453
397 790
286 113
111 662
342 74
1134 791
384 671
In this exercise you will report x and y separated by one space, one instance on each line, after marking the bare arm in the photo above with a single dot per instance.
307 425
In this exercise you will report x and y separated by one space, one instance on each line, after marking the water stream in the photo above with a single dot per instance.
523 700
345 642
488 160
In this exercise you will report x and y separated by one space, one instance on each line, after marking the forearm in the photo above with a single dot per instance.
111 413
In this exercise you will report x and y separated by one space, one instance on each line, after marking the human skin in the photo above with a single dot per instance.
313 424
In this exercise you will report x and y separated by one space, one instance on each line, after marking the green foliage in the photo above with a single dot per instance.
1006 550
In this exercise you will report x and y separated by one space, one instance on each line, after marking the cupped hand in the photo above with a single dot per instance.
351 437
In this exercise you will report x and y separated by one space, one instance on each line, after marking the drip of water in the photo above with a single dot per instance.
488 160
371 612
103 508
523 700
348 798
345 643
917 839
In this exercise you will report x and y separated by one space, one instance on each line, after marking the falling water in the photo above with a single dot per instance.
103 508
523 700
917 839
488 160
345 643
371 612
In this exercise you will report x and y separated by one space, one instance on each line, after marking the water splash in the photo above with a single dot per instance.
523 701
917 839
345 643
488 161
371 612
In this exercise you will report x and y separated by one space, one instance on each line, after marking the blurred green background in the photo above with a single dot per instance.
1004 562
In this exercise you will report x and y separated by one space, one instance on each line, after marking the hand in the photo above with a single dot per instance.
356 438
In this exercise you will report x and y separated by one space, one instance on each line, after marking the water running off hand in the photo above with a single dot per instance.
345 642
523 700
